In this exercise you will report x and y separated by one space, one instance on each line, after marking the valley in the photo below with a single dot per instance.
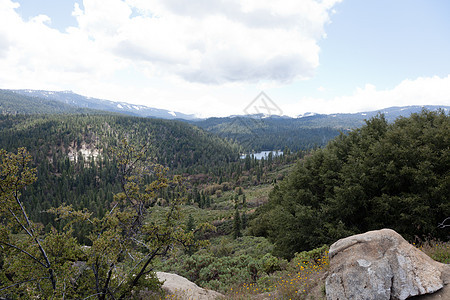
239 224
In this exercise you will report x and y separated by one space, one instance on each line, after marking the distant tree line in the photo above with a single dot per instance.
270 133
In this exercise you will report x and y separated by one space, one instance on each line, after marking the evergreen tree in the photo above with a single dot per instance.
237 224
190 225
380 175
244 220
244 214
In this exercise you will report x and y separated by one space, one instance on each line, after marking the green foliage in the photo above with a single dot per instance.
301 278
65 175
123 243
310 257
226 263
270 263
237 224
270 133
40 265
381 175
212 272
190 224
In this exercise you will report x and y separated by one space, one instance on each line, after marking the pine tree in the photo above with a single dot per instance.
237 224
244 214
190 225
244 220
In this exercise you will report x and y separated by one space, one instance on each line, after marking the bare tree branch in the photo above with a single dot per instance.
25 252
25 281
443 225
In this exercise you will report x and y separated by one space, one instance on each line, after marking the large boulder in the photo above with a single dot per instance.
381 265
181 288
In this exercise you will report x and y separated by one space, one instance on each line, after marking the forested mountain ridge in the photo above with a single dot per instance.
174 144
356 120
308 120
74 162
313 130
269 133
253 132
12 103
80 101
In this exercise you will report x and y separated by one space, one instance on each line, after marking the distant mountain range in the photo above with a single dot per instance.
252 132
353 120
70 98
259 132
12 103
314 120
40 101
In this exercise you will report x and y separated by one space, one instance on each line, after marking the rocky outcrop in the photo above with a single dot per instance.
442 294
382 265
182 288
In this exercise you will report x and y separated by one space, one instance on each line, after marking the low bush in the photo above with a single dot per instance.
437 250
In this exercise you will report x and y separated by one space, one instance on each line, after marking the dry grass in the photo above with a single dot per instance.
437 250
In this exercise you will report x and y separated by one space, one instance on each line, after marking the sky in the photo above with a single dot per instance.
215 57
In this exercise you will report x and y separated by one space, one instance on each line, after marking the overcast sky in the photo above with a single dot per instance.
213 57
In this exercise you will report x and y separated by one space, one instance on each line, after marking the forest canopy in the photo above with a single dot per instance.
380 175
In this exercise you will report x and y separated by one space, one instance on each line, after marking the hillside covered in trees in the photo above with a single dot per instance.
259 132
12 103
74 161
251 132
273 133
380 175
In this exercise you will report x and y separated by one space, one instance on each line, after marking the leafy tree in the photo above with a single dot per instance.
26 260
124 242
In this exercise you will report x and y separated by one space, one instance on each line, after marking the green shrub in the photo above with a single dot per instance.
270 263
313 256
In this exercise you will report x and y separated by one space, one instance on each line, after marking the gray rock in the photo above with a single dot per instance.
182 288
381 265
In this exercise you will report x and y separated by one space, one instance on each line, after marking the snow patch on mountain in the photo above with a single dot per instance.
307 114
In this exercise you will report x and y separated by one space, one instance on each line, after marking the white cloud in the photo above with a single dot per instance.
420 91
204 41
209 57
38 56
218 41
